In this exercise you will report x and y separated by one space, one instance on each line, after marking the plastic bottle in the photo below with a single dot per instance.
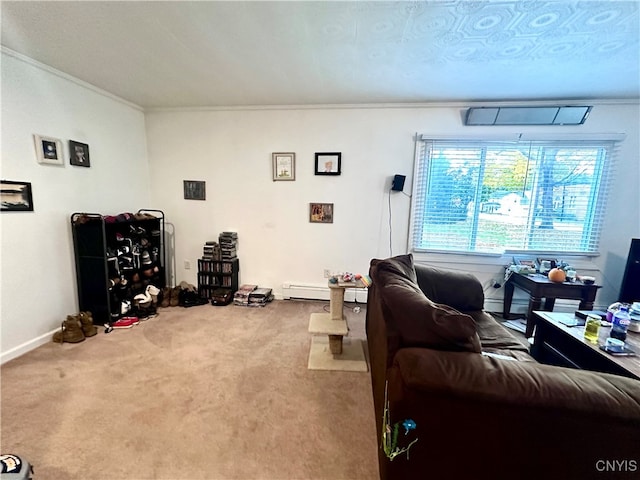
621 320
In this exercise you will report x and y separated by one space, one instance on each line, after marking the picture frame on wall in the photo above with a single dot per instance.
321 212
79 154
328 163
284 166
194 190
48 150
16 196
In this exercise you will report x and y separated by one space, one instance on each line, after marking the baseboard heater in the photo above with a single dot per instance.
291 291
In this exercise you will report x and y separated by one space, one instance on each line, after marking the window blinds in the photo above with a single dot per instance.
493 196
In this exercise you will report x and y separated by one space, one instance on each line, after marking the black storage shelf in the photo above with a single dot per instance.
95 241
217 274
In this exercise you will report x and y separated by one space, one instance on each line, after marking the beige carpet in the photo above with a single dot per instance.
196 393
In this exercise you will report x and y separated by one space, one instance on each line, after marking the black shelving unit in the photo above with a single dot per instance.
216 274
110 258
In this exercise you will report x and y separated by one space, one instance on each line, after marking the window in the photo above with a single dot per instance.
493 197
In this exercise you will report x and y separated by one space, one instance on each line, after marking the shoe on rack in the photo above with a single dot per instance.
86 321
126 322
70 331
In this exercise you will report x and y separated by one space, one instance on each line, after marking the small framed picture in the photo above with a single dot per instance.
321 212
328 163
16 196
194 190
79 154
48 150
284 166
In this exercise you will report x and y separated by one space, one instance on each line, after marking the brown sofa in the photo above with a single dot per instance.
482 407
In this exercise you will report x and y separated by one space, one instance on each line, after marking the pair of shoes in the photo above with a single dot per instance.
70 331
125 322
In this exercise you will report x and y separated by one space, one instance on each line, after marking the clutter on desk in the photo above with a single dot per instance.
556 270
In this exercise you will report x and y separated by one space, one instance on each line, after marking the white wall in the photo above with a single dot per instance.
231 151
38 268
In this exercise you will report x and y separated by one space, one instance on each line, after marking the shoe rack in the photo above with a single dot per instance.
116 258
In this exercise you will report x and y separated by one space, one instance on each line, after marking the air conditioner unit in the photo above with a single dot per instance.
549 115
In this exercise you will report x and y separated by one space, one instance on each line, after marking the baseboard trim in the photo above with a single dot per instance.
316 292
26 347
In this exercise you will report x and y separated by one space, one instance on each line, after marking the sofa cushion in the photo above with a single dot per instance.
419 321
400 265
496 339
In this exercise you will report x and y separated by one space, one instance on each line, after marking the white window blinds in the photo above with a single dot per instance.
498 196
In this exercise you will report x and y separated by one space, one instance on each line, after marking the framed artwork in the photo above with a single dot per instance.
48 150
79 154
194 190
321 212
328 163
16 196
284 166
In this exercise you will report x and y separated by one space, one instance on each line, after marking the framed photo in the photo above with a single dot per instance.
284 166
194 190
328 163
48 150
321 212
79 154
16 196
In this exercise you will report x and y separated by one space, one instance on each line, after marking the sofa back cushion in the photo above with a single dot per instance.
418 321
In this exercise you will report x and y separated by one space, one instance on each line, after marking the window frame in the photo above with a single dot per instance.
611 142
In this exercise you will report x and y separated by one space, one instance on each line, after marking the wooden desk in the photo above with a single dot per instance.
557 344
538 286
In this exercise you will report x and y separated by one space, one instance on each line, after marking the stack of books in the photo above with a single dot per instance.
228 242
260 297
211 251
241 297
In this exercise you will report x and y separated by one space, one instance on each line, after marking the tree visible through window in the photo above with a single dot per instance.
497 196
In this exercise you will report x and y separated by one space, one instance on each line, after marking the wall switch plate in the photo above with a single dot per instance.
187 265
327 273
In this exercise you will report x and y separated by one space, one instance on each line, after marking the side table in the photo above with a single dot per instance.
329 349
539 287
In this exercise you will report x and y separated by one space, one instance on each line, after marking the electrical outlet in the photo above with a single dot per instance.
187 265
327 273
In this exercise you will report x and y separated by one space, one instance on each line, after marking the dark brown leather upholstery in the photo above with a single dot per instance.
479 416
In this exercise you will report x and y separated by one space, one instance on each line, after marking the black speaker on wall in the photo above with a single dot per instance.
630 290
398 183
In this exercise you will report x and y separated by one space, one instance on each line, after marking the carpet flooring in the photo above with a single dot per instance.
195 393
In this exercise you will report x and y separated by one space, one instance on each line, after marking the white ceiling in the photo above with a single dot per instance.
198 54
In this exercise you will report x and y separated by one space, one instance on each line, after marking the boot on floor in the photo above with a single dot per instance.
70 331
166 297
86 320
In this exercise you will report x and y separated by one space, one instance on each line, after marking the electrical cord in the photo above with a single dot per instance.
390 222
390 249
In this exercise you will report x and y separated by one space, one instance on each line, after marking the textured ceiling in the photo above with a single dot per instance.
196 54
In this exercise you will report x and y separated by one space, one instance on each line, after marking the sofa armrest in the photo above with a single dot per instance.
462 291
519 384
